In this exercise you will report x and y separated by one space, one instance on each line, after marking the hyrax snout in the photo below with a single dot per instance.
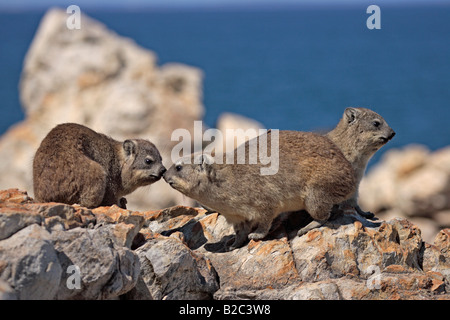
313 174
75 164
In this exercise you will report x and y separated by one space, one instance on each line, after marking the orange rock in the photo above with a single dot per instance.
14 196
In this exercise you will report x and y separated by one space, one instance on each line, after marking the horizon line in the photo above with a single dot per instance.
220 5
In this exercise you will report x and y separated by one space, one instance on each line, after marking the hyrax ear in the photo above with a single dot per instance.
203 160
350 114
130 147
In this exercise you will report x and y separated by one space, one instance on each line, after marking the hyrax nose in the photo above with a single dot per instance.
162 171
391 135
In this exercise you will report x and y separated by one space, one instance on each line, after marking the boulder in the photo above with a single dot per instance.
29 264
171 271
106 271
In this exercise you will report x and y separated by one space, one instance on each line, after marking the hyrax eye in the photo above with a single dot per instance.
178 168
148 161
376 123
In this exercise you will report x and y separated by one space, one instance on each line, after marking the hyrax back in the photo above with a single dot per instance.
313 174
75 164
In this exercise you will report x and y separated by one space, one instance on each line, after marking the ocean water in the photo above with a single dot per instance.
295 69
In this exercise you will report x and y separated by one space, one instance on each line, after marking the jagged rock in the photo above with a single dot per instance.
171 271
181 253
106 270
29 264
41 241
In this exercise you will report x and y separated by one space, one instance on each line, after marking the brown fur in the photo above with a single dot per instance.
313 175
75 164
359 134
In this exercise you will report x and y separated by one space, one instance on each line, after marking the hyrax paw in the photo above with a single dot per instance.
256 236
367 215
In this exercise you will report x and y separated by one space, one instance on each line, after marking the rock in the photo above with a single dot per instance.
248 129
413 182
14 196
436 257
44 243
14 217
29 264
348 258
180 253
6 292
171 271
125 224
442 218
106 270
97 78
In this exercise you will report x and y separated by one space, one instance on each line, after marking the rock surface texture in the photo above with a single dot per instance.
57 251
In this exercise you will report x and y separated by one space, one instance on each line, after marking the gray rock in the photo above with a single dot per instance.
14 218
106 271
30 264
6 292
171 271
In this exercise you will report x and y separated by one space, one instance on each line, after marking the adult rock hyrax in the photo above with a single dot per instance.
359 134
313 174
75 164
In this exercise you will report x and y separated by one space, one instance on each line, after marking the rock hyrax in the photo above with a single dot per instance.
359 134
313 174
75 164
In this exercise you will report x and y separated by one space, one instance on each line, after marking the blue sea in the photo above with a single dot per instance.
289 68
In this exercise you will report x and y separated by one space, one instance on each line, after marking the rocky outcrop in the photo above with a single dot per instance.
180 253
414 183
94 77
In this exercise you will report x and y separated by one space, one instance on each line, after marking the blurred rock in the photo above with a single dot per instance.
248 129
6 292
413 182
107 82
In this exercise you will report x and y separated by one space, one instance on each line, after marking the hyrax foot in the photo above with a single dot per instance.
367 215
312 225
237 243
256 236
355 209
261 231
241 229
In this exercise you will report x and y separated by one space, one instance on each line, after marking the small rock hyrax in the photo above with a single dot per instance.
76 165
359 134
313 174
